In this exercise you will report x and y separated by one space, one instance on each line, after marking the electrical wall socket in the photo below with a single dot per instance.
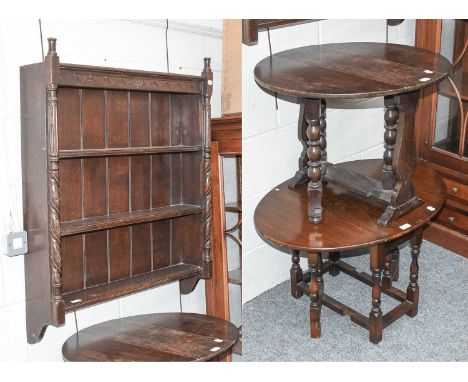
17 243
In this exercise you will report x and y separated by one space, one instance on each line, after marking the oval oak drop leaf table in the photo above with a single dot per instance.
281 219
355 70
153 337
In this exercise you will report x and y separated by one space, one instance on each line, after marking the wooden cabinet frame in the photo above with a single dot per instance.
453 167
98 232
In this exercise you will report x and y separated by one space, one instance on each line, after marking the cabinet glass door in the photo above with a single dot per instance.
452 101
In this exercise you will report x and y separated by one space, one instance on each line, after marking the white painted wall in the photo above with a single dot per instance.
270 145
118 43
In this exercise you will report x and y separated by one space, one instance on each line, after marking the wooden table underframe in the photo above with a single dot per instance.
383 258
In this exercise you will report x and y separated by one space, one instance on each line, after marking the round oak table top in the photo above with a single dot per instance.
349 221
153 337
350 70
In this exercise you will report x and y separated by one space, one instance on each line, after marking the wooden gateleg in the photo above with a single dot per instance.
375 316
381 257
399 156
312 112
315 300
296 275
387 271
412 292
395 268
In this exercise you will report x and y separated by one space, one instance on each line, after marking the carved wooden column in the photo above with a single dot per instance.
207 74
402 155
375 316
315 301
296 275
412 292
51 62
312 113
323 137
391 122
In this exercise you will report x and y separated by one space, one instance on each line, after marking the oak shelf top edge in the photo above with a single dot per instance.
350 70
122 287
123 151
349 221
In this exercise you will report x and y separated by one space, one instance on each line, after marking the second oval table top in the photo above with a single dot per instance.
349 221
351 70
153 337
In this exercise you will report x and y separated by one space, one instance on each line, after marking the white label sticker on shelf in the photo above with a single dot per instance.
428 71
430 208
405 226
75 301
217 340
425 79
215 348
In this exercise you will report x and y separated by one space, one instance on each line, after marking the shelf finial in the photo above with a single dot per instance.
52 46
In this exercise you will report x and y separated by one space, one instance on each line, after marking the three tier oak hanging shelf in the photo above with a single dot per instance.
116 180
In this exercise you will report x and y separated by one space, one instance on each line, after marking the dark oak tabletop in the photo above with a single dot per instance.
153 337
350 70
349 221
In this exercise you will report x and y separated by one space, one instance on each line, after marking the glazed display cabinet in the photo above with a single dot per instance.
442 126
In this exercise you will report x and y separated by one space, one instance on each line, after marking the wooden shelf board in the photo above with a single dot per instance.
125 151
123 287
91 224
233 207
235 276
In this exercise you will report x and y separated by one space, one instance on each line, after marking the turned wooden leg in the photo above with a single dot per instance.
412 292
395 264
320 278
296 275
387 271
334 257
315 301
323 138
400 150
301 174
312 111
375 316
391 120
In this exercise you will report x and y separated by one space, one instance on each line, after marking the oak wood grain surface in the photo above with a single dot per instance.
349 220
153 337
350 70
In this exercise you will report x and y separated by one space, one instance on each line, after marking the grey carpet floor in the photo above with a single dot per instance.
276 326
